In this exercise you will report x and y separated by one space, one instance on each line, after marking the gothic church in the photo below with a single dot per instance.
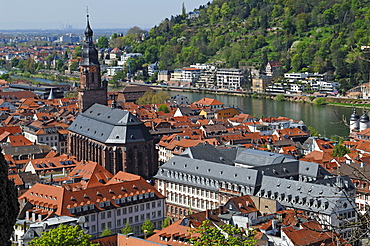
114 138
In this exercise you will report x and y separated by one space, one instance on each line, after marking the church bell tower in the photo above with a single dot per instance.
91 90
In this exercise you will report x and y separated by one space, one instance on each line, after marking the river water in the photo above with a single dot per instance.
327 120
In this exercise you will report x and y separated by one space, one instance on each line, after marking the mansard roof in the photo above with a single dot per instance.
110 125
260 158
303 195
207 169
207 152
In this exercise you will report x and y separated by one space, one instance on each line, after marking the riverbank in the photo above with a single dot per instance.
335 101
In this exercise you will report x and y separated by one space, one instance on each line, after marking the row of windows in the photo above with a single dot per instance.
130 209
130 220
192 201
347 215
193 191
205 181
47 138
177 211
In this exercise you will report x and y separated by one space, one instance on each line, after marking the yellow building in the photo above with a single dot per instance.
227 113
219 113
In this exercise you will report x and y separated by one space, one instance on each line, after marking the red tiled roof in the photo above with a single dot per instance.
209 101
310 233
62 198
18 140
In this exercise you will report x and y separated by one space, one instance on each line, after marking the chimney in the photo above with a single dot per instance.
24 227
220 209
207 214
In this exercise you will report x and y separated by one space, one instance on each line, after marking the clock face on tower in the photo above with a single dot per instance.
93 69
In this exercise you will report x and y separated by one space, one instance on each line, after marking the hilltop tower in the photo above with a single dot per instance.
91 88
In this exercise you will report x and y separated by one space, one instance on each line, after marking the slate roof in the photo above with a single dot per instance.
315 197
207 169
207 152
27 149
110 125
259 158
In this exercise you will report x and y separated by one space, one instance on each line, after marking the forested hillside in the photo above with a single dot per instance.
315 36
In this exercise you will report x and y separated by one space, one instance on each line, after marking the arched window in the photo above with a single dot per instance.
119 160
130 166
140 163
111 161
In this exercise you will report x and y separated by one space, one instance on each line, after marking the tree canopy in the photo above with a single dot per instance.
63 235
226 235
103 42
152 97
315 36
106 232
164 108
340 151
166 222
147 227
127 229
9 206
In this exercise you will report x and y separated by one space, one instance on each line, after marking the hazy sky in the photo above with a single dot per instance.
52 14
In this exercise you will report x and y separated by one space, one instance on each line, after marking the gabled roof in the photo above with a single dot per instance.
310 233
208 102
176 229
242 204
123 177
91 173
65 200
53 163
110 125
18 140
11 129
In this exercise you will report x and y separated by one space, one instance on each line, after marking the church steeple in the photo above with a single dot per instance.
89 53
91 88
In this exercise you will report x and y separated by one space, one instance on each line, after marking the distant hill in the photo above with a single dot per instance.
315 36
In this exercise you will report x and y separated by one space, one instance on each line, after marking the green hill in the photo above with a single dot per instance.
315 36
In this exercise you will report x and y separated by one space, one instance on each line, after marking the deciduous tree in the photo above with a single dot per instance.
166 222
152 97
63 235
226 235
103 42
147 227
340 151
106 232
127 229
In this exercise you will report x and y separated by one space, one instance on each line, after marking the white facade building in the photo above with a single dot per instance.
229 78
